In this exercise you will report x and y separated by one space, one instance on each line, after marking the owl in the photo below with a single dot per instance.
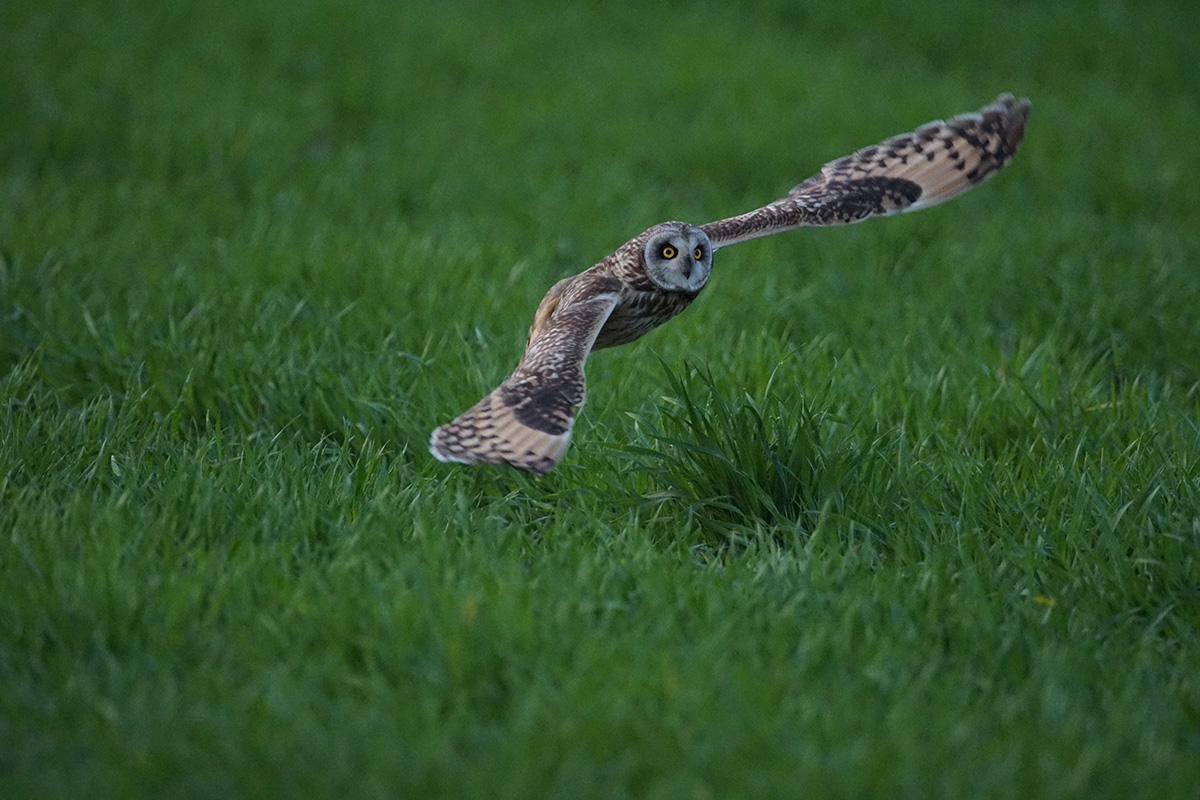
526 422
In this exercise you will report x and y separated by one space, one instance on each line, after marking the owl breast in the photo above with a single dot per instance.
638 313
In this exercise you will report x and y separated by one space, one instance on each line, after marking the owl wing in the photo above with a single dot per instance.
526 421
913 170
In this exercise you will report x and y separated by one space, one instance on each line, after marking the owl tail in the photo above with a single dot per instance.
494 431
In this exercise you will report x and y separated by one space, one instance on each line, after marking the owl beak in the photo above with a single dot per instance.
687 269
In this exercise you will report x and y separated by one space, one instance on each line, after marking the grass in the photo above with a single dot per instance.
906 509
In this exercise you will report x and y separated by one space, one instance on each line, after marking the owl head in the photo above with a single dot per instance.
678 256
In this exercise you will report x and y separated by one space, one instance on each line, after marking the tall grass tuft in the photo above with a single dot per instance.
781 461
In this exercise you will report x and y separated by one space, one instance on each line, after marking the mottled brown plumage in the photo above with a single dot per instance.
527 420
905 173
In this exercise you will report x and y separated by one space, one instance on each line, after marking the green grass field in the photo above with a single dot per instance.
904 509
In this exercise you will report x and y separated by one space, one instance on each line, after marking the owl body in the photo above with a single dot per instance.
639 312
644 304
527 420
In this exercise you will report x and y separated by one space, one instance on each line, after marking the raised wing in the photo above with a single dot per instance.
527 420
913 170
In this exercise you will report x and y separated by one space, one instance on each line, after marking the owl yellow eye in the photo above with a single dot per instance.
669 252
698 253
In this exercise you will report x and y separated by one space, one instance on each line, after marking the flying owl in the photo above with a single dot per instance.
526 422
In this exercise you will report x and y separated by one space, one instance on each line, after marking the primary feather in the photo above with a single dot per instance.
930 165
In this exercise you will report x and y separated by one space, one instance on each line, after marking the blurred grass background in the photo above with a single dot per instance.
908 507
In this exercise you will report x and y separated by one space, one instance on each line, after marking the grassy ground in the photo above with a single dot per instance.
905 509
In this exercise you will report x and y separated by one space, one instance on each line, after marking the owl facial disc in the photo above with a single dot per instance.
678 256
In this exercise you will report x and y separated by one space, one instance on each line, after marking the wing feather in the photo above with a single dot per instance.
911 171
527 420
